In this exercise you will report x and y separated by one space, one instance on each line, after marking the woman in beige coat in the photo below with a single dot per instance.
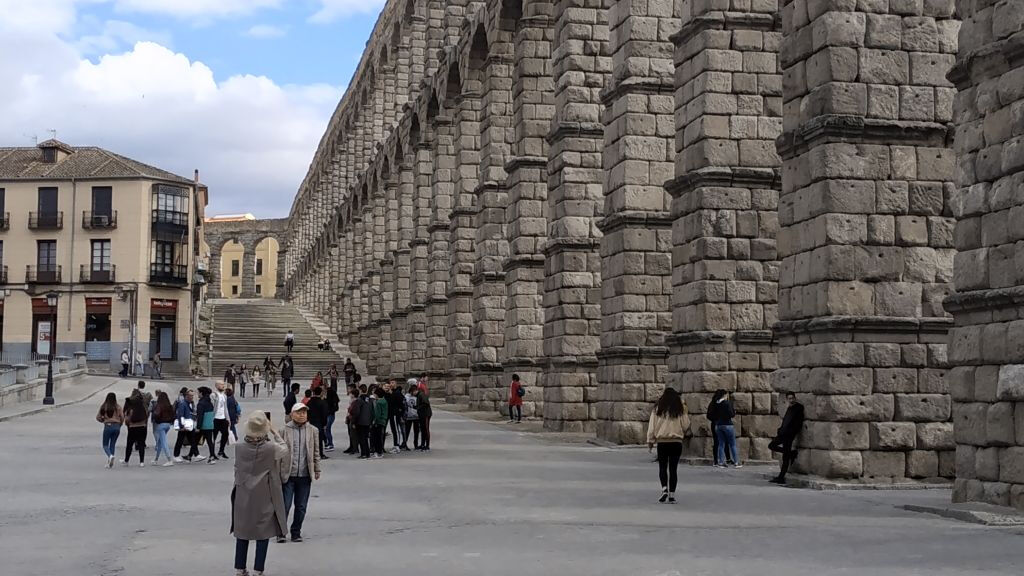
667 428
257 502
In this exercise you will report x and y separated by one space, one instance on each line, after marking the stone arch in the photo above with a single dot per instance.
248 234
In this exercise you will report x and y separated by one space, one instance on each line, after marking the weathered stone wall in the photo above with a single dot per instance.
611 196
987 344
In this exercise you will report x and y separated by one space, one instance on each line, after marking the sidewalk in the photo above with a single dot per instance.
73 391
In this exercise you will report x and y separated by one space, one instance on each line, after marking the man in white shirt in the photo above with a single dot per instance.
221 418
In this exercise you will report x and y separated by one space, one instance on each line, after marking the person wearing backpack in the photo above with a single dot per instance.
380 421
136 417
515 400
205 412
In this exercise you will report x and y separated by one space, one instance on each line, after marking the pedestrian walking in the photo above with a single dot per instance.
163 419
255 378
667 429
291 399
140 366
185 424
287 372
257 499
135 417
229 375
396 415
206 411
147 398
318 381
125 363
721 414
332 374
289 341
234 413
516 392
112 417
792 425
241 380
350 420
349 370
363 415
221 418
318 418
303 467
158 365
333 402
412 419
380 421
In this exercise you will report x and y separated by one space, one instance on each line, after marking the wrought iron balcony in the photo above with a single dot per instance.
100 221
87 275
46 220
45 275
168 274
3 274
5 221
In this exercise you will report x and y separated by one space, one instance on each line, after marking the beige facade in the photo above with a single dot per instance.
117 243
264 272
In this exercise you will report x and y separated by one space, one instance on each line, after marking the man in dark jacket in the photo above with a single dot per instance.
363 415
287 372
291 398
396 415
318 417
792 424
229 375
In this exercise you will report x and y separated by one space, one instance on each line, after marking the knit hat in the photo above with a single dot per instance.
257 424
412 382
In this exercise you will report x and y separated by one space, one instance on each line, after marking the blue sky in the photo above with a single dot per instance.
240 89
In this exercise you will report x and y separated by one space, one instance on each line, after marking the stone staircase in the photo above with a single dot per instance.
246 331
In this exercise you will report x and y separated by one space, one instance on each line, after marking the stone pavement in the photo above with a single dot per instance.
488 500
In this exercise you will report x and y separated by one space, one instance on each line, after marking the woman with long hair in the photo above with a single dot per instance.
185 414
111 416
255 378
205 413
163 418
135 416
721 413
667 429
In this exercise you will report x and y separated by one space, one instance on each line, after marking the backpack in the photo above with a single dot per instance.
138 416
521 391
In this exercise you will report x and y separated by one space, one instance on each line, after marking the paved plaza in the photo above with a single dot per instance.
487 500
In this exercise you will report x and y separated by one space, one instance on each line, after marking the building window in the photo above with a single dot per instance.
102 203
234 268
259 266
49 155
170 205
3 200
163 253
234 290
259 289
46 255
101 255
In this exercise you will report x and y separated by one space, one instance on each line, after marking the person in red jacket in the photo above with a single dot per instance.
515 400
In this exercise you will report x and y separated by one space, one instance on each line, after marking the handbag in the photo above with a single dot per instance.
188 424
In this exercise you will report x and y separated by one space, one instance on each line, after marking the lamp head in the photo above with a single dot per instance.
51 299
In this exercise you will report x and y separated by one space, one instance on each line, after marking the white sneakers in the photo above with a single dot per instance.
178 459
168 463
142 464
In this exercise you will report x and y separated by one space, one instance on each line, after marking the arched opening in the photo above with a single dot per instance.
266 268
231 269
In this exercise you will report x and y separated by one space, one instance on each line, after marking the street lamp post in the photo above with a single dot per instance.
51 301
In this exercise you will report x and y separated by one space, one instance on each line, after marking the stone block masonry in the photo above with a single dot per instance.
608 197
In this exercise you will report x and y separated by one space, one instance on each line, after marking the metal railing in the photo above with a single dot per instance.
5 221
87 275
47 275
168 273
3 275
46 220
96 220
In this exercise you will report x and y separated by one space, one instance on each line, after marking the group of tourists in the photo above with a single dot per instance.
670 422
372 411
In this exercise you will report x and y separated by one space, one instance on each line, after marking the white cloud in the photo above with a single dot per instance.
251 138
201 9
266 31
331 10
116 34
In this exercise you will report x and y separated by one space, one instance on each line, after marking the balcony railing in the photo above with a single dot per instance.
87 275
168 274
45 275
3 274
5 221
46 220
97 220
170 217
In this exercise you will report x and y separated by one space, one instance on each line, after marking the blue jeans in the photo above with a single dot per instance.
297 488
160 431
242 553
328 435
726 434
110 434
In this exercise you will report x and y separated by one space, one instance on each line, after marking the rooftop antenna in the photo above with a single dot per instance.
53 134
35 139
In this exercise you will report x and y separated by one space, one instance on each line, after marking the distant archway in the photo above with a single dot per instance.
231 255
245 257
265 272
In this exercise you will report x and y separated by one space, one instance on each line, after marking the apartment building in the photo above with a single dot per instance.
115 238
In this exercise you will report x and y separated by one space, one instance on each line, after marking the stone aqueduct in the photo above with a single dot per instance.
248 233
611 196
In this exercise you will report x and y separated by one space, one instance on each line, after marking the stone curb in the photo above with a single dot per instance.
40 409
999 516
814 483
